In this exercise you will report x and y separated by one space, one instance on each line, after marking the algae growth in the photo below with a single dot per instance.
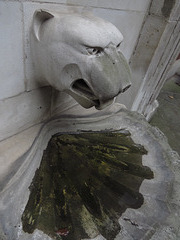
84 184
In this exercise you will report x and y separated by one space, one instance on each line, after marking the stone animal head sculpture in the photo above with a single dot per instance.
79 54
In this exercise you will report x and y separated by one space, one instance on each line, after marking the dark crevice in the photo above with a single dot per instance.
81 86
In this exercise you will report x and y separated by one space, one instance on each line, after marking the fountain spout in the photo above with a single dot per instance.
80 55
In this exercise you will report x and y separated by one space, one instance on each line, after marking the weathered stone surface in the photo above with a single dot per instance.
159 209
79 54
84 183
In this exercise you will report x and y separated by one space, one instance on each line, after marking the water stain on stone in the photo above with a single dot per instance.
83 185
167 7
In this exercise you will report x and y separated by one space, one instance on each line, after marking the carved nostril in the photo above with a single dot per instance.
126 88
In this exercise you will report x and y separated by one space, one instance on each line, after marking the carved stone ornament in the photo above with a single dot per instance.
80 55
143 204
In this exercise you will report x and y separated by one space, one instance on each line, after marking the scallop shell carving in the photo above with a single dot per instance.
84 184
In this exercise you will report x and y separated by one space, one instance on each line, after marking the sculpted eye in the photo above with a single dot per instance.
119 44
94 51
118 47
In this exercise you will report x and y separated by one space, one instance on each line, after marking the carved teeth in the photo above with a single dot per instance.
81 86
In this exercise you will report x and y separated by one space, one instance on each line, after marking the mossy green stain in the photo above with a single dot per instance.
167 7
99 172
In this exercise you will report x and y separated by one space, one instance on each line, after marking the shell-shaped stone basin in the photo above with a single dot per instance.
83 185
110 176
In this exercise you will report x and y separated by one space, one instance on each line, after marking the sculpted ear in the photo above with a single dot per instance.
40 16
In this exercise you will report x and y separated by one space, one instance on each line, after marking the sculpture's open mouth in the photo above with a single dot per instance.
81 86
86 97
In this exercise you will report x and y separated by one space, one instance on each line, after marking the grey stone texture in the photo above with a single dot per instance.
155 219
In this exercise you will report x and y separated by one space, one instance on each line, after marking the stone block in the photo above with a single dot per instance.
11 51
14 147
124 20
23 111
129 5
166 9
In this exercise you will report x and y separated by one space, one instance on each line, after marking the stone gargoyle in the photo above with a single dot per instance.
79 54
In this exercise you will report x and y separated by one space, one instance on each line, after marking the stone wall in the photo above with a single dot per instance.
157 49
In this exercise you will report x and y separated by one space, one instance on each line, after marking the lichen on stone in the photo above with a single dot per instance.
83 185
